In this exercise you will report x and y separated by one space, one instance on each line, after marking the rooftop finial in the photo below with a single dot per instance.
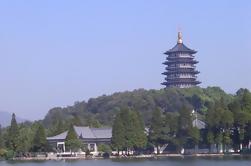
179 38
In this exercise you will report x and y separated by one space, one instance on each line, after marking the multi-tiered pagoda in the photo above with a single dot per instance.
180 70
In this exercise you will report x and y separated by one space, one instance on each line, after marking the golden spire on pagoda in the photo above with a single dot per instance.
179 38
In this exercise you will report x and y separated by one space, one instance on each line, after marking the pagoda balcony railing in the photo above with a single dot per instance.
183 82
170 72
195 77
179 67
179 79
180 83
180 61
186 66
179 57
185 56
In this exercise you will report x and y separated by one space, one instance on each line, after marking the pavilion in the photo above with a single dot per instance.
89 136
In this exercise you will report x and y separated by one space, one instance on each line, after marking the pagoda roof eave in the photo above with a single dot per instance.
180 47
181 82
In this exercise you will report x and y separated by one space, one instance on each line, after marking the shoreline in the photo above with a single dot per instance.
153 156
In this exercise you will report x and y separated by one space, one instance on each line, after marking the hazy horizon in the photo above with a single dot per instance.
54 53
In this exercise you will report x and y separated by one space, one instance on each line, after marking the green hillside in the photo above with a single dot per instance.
101 111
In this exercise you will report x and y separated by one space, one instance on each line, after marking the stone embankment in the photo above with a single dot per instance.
121 157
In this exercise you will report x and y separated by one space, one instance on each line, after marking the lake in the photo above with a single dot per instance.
172 161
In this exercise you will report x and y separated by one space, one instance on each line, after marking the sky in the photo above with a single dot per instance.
53 53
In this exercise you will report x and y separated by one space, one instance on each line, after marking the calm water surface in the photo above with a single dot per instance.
187 161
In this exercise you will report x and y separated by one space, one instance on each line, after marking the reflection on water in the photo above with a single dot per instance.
171 161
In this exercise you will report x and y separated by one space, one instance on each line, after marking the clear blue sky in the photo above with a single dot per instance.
56 52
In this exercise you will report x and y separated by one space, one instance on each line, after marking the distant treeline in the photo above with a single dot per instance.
165 113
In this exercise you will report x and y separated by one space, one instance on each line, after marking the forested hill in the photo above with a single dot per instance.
102 110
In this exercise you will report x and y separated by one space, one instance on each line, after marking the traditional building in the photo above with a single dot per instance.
180 70
89 136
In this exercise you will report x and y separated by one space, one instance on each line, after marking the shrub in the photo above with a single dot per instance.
9 154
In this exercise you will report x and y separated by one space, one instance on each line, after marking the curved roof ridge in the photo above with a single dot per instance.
86 132
59 136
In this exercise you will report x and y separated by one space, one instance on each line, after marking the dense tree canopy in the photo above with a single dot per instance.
165 115
102 110
39 142
128 131
156 134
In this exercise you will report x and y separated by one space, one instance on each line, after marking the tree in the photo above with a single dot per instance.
138 135
39 141
194 133
118 133
72 141
171 123
226 124
241 119
57 127
104 148
128 131
226 140
246 101
219 121
185 126
212 121
218 139
155 130
210 139
196 102
13 134
25 139
126 122
1 138
170 129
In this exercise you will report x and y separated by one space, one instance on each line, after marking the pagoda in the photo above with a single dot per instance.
180 71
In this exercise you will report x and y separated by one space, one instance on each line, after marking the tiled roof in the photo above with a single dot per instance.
59 136
102 132
86 133
199 124
180 47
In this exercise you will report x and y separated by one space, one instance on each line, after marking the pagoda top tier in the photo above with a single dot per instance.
180 47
